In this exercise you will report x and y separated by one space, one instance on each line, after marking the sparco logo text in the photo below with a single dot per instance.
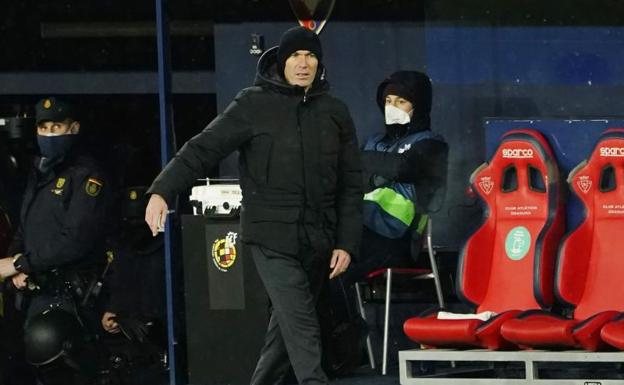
611 151
518 153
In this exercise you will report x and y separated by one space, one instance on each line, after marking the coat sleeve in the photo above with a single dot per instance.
424 165
17 243
81 228
349 195
204 151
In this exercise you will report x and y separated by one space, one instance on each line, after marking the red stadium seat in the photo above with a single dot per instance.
590 266
507 265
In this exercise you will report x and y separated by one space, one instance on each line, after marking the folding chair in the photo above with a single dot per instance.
408 273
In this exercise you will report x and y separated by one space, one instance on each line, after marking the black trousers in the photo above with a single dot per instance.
293 283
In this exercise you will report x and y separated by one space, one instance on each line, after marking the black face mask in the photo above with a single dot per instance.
55 147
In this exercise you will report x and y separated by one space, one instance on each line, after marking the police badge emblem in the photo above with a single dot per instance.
93 187
312 14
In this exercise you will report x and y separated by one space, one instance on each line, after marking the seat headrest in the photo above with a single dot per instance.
521 154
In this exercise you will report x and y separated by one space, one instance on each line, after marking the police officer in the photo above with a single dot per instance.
56 249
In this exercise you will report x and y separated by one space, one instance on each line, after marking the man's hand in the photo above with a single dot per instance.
6 267
339 262
108 322
156 213
19 281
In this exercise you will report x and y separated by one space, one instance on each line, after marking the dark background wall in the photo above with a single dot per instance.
508 58
477 72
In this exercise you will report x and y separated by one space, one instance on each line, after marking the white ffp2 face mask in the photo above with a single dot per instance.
395 115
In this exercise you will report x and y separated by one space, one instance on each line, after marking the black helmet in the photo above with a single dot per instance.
52 334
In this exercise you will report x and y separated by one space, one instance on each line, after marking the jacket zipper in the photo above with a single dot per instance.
303 174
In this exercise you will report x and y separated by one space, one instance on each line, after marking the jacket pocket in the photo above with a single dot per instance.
273 228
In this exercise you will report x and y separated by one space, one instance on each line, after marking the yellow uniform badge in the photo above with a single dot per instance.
47 104
60 182
133 195
93 187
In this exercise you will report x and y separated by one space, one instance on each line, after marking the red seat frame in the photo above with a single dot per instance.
491 276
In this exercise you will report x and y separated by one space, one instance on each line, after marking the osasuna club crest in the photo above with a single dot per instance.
312 14
486 184
584 183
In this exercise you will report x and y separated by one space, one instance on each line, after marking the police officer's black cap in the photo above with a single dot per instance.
53 109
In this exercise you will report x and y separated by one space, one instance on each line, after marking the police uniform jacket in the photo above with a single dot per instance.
299 163
63 216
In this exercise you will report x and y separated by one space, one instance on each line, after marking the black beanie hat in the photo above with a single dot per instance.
413 86
400 90
295 39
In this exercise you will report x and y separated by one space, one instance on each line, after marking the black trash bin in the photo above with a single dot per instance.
226 304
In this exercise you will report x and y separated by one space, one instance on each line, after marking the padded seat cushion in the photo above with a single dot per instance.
539 329
431 331
545 330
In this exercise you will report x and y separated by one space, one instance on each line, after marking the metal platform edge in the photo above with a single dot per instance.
408 357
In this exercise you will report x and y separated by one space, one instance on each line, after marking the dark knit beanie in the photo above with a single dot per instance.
412 86
296 39
401 91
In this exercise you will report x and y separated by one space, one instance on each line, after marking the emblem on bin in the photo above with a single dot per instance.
224 252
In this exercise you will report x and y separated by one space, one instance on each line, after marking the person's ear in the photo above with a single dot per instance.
74 128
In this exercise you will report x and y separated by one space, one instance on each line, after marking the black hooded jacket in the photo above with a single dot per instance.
425 163
299 163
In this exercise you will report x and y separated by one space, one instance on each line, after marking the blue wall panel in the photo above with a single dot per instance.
530 55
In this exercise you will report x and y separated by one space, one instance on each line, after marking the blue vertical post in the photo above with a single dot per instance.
166 140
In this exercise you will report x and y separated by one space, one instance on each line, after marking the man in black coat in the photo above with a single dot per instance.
301 182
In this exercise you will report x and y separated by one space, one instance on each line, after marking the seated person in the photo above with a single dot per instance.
404 171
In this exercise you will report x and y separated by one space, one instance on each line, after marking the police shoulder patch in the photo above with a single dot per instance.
93 187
